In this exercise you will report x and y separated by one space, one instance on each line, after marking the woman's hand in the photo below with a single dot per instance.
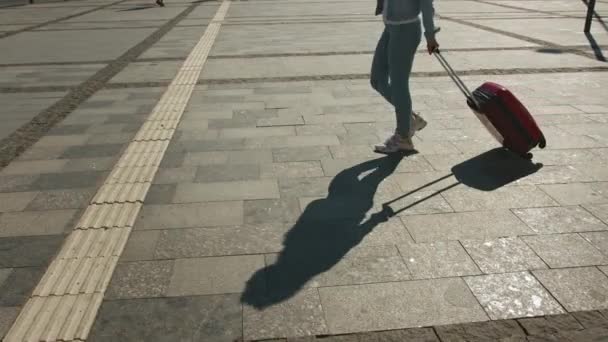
432 45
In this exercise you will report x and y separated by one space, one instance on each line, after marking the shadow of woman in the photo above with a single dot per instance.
327 229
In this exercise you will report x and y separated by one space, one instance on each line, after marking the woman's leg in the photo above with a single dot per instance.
402 45
380 70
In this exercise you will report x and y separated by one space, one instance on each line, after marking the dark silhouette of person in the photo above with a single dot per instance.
327 229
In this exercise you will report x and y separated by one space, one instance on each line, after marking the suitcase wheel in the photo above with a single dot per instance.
528 156
542 143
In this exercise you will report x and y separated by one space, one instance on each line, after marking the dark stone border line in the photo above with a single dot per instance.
576 326
369 52
95 29
28 134
54 21
12 65
523 9
481 72
544 43
160 84
35 89
150 59
340 21
151 84
264 23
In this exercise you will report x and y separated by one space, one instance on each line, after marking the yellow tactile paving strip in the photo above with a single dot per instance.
64 305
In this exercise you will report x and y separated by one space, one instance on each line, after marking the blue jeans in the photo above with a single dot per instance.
391 69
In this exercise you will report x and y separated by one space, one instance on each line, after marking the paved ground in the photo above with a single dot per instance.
264 219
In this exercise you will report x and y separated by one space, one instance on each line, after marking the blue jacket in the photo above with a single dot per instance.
403 10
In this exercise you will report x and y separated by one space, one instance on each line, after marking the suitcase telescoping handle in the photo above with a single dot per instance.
459 83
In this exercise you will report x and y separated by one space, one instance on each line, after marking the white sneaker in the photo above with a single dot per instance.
417 123
395 143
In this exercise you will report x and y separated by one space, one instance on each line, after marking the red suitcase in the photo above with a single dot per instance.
505 117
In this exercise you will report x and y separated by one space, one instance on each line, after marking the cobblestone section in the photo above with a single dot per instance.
576 327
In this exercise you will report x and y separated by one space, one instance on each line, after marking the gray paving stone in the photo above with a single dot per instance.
355 139
399 305
565 250
549 325
236 133
332 167
438 260
19 285
597 334
193 125
301 315
140 279
598 239
205 318
291 141
112 138
591 319
89 164
575 193
361 265
387 233
595 171
469 199
235 122
4 274
7 317
426 181
69 129
559 220
15 201
217 275
160 194
68 180
503 255
29 223
17 183
203 242
34 167
172 159
141 245
503 330
62 199
226 191
414 335
352 151
557 174
92 151
304 187
201 136
281 121
577 289
227 173
512 295
228 157
40 250
190 215
184 174
297 154
564 157
207 145
599 210
39 152
418 203
266 211
462 226
291 170
64 140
